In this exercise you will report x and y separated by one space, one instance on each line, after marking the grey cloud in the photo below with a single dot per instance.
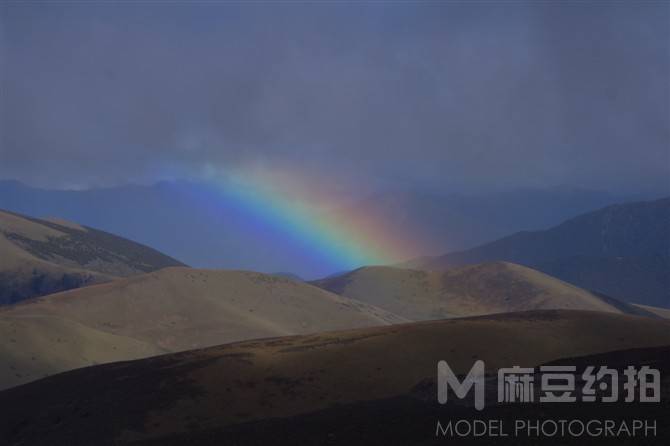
468 95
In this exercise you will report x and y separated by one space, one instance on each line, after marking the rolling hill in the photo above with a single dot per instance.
622 251
354 384
39 257
497 287
169 310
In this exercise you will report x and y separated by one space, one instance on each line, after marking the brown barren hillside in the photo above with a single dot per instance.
39 257
204 394
487 288
169 310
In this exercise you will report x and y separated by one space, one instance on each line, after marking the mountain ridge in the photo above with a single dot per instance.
39 257
621 250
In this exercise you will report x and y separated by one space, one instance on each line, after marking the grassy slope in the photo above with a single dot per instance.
473 290
222 386
172 309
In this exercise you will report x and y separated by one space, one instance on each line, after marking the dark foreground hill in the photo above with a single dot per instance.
39 257
622 251
364 386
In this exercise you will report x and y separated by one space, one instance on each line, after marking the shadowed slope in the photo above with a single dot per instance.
622 251
197 394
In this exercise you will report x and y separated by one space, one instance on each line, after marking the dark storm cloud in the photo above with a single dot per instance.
472 95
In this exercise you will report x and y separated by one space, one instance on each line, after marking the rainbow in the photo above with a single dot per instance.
341 240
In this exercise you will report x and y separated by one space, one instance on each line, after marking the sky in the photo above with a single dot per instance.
435 95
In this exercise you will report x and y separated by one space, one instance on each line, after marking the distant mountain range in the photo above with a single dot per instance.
212 233
39 257
622 251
